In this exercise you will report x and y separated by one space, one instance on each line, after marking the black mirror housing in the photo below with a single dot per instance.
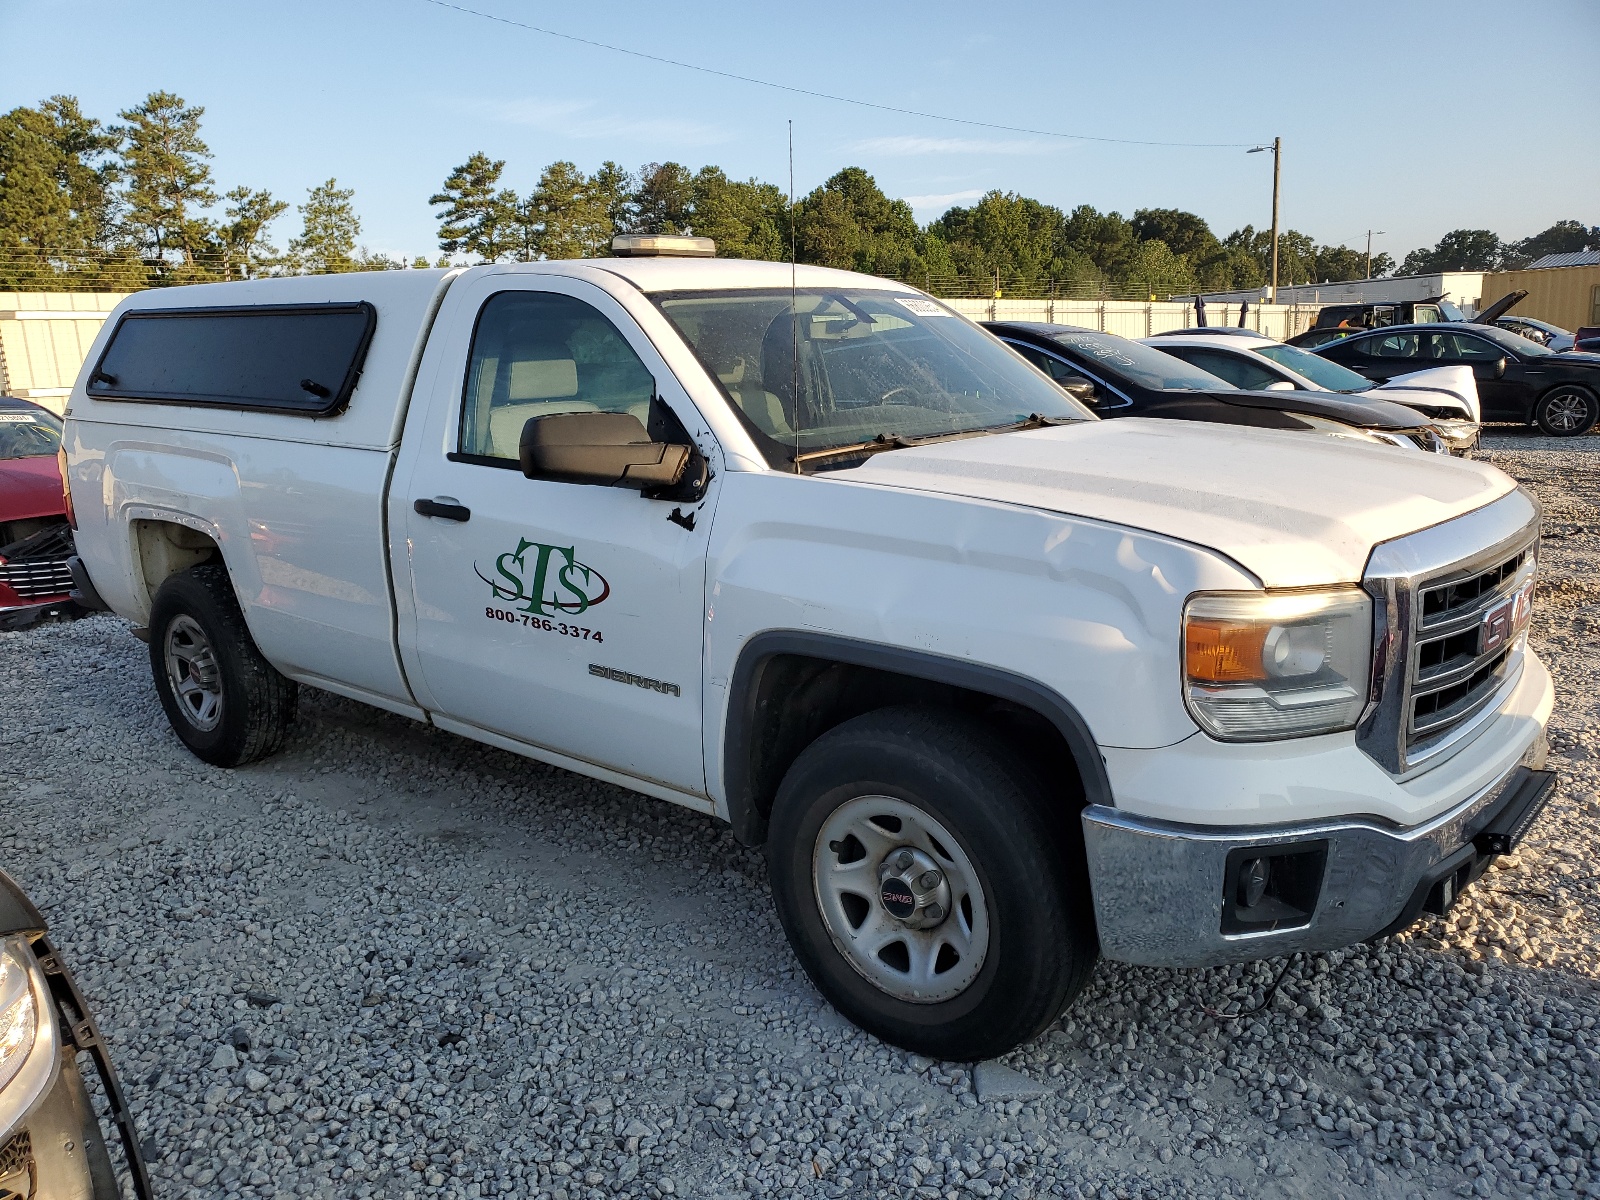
1082 389
1500 367
606 449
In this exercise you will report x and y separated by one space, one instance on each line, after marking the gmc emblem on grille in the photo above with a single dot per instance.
1494 630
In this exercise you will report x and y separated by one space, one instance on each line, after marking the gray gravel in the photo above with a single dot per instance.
391 962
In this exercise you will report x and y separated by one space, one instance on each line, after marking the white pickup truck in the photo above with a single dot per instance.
999 686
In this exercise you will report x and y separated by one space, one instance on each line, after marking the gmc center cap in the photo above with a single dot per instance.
897 898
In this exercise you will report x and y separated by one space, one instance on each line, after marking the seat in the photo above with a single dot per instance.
534 388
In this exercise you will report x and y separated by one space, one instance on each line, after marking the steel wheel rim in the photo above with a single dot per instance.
908 959
194 674
1566 410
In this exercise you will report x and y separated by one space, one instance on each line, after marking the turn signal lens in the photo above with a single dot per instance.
1262 665
66 489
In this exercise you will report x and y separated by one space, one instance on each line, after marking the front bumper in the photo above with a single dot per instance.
1165 894
58 1149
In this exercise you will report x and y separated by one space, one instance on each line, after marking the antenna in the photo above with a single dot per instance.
794 318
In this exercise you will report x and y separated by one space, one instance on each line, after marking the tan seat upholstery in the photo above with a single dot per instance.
535 388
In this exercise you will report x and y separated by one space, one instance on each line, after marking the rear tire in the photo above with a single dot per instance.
1566 411
225 702
866 818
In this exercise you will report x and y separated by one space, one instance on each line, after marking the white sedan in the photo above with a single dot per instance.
1448 395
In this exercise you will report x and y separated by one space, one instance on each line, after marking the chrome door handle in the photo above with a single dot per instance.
445 510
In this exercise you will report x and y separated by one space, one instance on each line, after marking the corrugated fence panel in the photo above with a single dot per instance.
44 339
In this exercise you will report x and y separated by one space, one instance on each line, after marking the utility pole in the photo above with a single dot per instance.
1370 232
1277 172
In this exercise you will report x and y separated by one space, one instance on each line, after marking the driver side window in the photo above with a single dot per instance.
539 353
1238 371
1396 345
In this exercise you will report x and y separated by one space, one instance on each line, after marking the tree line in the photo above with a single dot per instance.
134 203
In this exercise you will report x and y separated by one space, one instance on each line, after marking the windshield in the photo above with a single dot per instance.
1513 343
1137 363
1329 376
1451 312
28 434
854 365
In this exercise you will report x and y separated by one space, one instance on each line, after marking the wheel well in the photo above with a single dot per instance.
163 548
784 701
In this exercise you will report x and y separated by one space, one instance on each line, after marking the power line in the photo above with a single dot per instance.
798 91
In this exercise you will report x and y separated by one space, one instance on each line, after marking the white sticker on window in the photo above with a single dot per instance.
923 308
17 419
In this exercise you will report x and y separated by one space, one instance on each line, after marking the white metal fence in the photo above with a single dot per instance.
1137 318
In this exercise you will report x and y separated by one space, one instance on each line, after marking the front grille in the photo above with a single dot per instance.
36 567
1464 643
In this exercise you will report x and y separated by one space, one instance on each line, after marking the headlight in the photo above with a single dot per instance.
1261 665
27 1033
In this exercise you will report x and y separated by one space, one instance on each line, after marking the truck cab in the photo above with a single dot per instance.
999 687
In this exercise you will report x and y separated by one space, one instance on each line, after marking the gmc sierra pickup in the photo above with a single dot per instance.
1000 687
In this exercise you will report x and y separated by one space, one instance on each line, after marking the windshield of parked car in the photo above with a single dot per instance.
834 367
1137 363
1329 376
1451 312
1513 343
28 433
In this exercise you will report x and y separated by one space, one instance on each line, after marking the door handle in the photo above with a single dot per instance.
445 510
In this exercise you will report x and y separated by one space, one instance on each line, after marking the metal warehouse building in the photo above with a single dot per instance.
1563 289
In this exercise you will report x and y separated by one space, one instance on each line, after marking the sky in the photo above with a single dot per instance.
1409 118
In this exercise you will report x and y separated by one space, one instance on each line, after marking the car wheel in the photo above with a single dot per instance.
1566 411
927 887
225 702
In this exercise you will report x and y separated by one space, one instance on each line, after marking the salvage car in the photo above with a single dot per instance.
1518 380
1543 332
999 686
1119 377
51 1142
35 539
1446 396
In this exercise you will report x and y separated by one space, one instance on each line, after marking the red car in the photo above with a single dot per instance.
35 539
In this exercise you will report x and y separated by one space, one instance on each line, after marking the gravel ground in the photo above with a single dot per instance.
391 962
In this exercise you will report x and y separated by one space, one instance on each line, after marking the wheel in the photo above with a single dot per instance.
1566 411
225 702
927 887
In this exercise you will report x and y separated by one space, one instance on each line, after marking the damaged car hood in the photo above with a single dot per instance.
1293 510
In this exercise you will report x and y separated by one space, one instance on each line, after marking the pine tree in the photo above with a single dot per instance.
169 180
329 228
244 236
479 217
567 217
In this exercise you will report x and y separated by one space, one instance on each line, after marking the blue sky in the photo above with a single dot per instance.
1410 118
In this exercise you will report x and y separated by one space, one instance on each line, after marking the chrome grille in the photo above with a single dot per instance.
1461 651
1449 604
37 580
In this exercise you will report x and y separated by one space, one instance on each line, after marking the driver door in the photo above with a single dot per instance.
565 616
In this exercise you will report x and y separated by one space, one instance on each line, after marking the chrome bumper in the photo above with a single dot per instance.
1161 889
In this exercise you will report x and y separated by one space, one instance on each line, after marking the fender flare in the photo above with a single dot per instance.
749 825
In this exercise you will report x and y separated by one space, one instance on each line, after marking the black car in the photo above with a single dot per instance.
1518 380
1117 377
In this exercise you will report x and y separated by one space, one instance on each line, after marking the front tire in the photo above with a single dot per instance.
225 702
1566 411
927 887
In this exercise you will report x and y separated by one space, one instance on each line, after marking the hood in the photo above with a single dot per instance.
30 487
1294 510
1456 383
1500 308
1357 411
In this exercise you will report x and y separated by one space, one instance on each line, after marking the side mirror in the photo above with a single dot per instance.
1500 367
1279 385
1081 389
608 449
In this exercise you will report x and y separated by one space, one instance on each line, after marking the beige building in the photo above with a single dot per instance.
1564 296
44 338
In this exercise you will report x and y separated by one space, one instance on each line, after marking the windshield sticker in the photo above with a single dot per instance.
923 308
547 587
18 419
